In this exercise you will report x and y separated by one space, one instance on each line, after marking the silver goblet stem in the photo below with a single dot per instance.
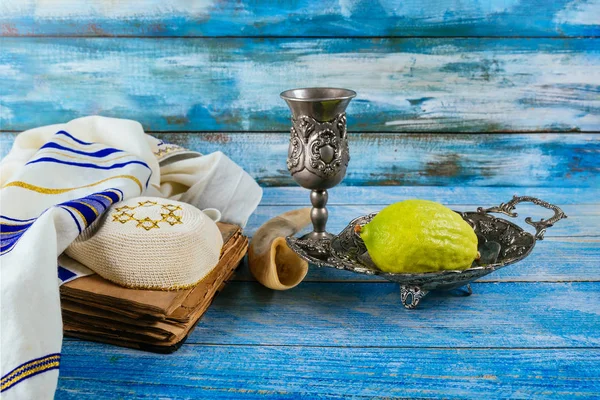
319 214
318 154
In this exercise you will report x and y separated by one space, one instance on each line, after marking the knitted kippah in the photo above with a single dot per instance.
150 243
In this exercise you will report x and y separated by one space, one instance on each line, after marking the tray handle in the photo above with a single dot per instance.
541 225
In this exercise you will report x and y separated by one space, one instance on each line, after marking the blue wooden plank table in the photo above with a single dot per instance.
529 330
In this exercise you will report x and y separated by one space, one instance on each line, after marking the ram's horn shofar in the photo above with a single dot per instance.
270 259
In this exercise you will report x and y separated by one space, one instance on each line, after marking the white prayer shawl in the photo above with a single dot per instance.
56 181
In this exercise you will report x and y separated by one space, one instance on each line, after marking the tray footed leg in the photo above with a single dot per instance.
465 291
411 296
469 290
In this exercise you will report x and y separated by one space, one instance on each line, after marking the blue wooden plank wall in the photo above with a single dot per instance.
330 18
232 84
507 86
558 160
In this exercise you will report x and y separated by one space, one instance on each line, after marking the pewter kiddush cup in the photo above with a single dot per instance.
318 153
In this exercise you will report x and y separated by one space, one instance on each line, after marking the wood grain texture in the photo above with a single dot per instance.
424 159
448 195
252 372
232 84
329 340
512 315
531 160
301 18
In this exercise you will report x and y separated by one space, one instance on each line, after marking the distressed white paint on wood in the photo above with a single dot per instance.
369 314
290 372
301 17
457 160
449 195
408 85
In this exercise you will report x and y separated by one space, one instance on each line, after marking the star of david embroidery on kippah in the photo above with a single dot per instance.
170 207
171 218
168 214
147 203
147 223
122 216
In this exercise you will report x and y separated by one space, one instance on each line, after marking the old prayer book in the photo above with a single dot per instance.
154 320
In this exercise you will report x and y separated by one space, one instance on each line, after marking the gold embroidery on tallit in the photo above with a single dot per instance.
87 205
106 197
43 190
44 365
74 144
94 160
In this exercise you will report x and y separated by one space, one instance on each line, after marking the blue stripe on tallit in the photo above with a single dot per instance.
64 274
74 218
8 240
6 236
88 215
102 197
86 205
87 165
10 228
10 233
17 220
97 154
73 138
8 245
98 203
115 197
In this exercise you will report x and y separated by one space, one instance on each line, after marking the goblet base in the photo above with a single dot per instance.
317 236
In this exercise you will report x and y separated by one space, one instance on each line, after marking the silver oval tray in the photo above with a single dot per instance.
500 243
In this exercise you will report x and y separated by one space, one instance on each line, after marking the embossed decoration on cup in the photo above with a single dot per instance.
318 153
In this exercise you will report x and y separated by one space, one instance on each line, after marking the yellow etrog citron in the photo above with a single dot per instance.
416 236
